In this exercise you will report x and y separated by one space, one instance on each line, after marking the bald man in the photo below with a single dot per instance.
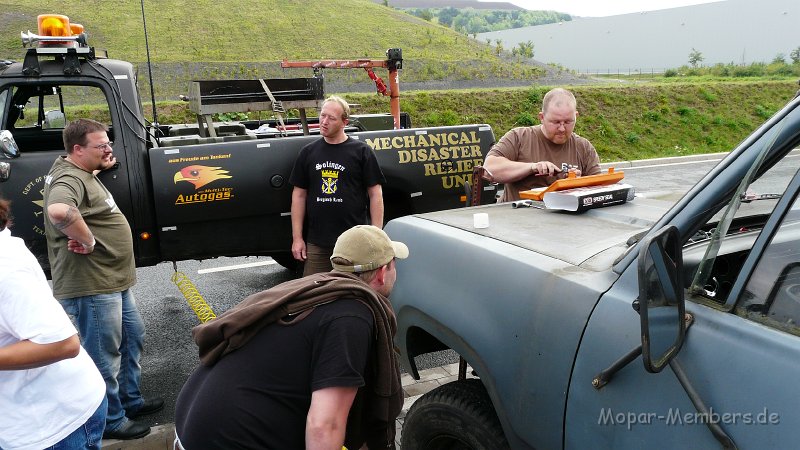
531 157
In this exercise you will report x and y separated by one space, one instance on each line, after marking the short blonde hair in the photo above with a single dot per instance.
558 96
341 102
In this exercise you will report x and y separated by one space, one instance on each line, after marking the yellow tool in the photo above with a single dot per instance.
193 297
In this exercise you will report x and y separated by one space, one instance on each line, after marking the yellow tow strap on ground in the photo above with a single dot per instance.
193 297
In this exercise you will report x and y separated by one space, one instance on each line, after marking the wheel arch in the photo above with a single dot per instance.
427 336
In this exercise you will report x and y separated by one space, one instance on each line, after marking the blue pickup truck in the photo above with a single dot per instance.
641 325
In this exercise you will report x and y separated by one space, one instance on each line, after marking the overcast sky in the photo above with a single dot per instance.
602 8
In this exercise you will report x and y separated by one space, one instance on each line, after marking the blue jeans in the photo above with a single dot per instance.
112 332
88 436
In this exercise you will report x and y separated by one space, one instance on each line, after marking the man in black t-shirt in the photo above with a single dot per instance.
307 379
336 181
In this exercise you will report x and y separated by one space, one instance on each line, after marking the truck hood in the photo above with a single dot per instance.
593 238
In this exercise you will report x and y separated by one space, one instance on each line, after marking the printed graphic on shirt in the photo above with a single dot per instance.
112 205
329 179
330 175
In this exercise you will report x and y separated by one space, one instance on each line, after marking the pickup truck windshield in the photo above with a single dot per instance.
747 211
721 230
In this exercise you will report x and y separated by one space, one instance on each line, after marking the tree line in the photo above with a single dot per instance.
779 66
473 21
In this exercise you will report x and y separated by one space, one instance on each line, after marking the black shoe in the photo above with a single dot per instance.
130 430
149 406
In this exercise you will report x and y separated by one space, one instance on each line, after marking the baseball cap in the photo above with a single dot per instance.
367 248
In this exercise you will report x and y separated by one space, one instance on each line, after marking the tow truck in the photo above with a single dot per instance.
208 189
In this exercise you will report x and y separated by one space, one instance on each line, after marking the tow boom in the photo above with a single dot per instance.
393 62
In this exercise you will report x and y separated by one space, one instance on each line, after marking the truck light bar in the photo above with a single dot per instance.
61 50
55 31
57 25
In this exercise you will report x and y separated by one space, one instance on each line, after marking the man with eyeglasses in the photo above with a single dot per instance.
90 248
531 157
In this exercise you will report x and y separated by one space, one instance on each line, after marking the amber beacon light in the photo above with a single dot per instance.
55 30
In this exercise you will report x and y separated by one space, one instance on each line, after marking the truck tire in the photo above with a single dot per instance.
286 260
458 415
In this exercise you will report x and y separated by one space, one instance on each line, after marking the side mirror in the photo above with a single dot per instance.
8 145
661 301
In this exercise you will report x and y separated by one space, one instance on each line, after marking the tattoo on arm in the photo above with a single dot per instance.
72 216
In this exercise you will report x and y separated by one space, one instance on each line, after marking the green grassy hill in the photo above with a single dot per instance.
204 39
245 30
245 39
623 122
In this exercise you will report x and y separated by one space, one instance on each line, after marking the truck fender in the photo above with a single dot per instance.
426 335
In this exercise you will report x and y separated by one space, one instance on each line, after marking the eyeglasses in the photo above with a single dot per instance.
561 123
107 145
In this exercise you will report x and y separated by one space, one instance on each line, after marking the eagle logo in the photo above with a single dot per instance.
200 176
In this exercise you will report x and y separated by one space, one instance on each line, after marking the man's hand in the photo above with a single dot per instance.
108 161
76 246
548 168
545 168
299 249
298 216
68 220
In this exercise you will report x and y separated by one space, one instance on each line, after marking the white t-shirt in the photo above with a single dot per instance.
39 407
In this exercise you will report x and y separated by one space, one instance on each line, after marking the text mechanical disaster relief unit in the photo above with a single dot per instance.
195 191
638 324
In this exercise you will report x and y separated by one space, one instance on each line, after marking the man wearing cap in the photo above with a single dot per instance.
306 364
